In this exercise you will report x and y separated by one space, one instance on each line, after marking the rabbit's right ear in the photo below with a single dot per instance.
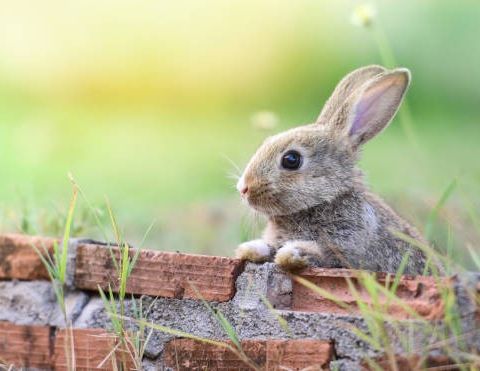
348 85
371 108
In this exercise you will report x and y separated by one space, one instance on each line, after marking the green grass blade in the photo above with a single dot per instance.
98 221
324 293
399 273
113 222
474 255
433 216
139 249
124 272
66 237
229 329
282 322
183 334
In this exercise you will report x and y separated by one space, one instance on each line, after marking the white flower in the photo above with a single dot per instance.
363 15
265 120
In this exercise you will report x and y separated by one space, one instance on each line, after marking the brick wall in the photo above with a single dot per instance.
305 330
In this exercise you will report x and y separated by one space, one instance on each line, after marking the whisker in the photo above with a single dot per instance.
232 176
236 167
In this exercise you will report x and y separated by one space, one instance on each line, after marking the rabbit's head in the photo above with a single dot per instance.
315 163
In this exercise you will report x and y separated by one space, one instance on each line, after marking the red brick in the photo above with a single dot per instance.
420 293
188 354
25 346
303 354
411 362
91 348
159 273
19 260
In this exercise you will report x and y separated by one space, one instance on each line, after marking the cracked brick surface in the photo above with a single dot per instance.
419 293
188 354
160 273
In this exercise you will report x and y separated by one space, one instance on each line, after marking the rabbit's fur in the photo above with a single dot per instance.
322 214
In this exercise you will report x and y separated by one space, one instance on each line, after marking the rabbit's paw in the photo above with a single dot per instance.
255 251
296 255
288 257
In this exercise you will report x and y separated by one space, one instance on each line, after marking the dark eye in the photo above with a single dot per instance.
291 160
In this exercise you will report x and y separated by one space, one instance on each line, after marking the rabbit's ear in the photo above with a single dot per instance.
348 85
368 111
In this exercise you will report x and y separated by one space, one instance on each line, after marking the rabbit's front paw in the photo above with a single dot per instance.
288 257
296 255
255 251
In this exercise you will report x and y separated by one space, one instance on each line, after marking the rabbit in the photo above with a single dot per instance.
306 182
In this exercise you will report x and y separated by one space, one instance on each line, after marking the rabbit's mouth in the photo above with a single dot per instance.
265 202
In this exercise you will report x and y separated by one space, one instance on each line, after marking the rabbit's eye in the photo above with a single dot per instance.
291 160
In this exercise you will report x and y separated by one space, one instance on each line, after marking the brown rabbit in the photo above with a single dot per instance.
306 181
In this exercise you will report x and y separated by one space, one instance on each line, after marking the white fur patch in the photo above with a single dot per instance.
255 250
370 217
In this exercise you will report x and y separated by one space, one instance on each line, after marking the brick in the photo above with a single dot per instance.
303 354
18 259
420 293
188 354
159 273
92 348
411 362
25 346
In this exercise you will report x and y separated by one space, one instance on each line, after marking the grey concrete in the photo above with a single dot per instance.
94 305
35 303
345 365
149 365
262 281
75 302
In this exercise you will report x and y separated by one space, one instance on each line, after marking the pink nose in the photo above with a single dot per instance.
244 190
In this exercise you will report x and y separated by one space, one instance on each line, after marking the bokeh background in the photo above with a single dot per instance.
153 104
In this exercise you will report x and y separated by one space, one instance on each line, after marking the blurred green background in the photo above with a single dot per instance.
149 103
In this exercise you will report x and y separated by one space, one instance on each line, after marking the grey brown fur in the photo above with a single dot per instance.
322 214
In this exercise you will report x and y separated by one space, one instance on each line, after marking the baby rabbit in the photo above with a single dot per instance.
305 180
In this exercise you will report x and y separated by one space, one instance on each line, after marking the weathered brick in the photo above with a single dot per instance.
92 349
303 354
188 354
19 260
159 273
25 346
411 362
419 293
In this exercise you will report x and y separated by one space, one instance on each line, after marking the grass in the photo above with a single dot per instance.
384 332
57 267
131 341
57 270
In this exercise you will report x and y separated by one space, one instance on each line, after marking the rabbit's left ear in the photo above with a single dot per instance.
372 107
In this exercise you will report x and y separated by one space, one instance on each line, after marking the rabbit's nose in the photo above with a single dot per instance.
242 187
244 190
